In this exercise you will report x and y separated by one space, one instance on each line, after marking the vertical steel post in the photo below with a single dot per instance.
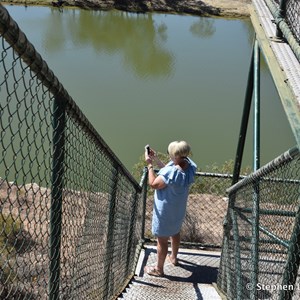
230 222
59 121
256 115
131 231
292 264
144 184
281 15
244 123
237 256
226 282
110 233
256 165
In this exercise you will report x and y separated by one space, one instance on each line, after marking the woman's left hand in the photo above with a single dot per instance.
149 157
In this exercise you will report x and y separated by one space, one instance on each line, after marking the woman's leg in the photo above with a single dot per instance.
162 251
175 242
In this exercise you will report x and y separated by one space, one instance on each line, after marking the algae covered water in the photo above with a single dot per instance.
154 78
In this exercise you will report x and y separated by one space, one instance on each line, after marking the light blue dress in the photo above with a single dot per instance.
170 202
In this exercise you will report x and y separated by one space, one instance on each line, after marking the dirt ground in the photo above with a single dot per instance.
221 8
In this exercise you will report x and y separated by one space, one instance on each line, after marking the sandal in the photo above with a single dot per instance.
151 270
173 263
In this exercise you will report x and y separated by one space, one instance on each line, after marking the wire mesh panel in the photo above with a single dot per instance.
25 171
293 17
71 219
286 15
291 13
261 239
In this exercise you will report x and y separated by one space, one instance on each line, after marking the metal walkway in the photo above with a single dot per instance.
282 62
193 278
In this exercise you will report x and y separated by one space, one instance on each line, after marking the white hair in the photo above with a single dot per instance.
179 149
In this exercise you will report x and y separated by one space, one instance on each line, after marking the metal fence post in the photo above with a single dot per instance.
256 165
144 184
131 229
293 262
110 233
244 123
256 115
59 121
237 255
230 219
230 222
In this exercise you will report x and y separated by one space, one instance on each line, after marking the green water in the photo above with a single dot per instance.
155 78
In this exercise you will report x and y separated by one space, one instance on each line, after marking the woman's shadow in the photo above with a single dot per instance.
187 270
192 268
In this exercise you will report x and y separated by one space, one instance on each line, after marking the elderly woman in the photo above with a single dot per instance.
171 186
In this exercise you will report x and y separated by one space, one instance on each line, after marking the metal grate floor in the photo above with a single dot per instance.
192 279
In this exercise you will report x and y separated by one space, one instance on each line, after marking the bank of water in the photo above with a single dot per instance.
153 78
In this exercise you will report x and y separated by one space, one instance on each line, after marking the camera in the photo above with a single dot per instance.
147 147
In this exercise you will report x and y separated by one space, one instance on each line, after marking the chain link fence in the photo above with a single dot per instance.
290 11
71 216
286 15
261 246
293 17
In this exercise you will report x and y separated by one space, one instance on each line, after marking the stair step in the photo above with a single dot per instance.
148 287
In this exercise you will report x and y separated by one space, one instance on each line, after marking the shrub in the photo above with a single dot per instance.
9 231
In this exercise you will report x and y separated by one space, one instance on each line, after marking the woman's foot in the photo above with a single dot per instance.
172 260
153 271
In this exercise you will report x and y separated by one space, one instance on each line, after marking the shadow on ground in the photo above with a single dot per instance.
193 267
